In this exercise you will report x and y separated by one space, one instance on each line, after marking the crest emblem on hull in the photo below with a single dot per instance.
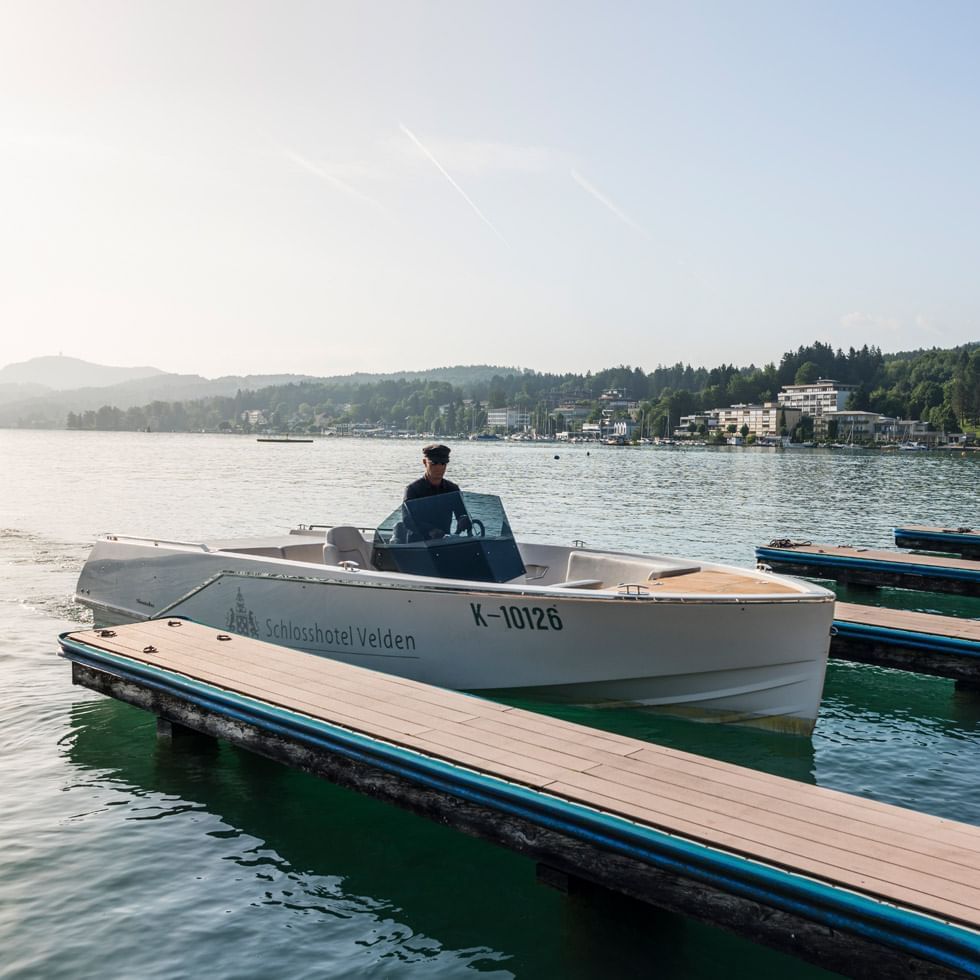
241 619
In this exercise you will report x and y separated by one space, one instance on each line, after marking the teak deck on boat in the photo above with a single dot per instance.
867 566
921 642
868 851
711 582
958 540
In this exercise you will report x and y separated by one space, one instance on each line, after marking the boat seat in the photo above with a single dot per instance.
670 570
346 543
614 570
311 552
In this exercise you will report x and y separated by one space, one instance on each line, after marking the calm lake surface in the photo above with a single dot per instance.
126 857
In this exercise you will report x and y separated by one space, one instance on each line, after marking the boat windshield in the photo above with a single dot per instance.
449 535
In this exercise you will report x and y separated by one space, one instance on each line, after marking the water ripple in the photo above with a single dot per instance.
128 856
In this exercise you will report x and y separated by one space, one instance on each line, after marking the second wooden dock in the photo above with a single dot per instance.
953 540
921 642
867 566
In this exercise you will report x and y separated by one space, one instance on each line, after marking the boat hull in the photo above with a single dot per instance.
755 660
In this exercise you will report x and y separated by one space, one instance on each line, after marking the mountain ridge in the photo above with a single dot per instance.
33 403
58 372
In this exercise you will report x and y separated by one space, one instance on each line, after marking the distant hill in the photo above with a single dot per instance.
52 407
23 404
13 392
459 374
64 373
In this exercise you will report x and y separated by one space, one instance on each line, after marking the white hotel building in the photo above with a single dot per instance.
508 418
763 421
823 401
824 395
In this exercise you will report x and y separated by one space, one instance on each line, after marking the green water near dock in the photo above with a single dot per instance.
125 856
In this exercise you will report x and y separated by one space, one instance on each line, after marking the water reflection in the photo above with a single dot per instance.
901 738
227 864
303 847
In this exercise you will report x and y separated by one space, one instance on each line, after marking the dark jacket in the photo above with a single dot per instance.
422 488
436 523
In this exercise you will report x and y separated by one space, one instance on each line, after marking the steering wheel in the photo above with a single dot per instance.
476 528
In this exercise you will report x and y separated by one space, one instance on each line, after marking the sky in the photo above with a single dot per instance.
241 187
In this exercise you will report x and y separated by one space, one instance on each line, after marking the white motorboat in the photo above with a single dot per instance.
441 592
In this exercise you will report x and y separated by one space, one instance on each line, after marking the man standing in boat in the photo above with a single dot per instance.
432 483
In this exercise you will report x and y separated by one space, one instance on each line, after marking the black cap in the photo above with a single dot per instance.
436 452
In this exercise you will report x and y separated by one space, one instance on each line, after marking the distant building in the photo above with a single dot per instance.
508 418
768 419
616 400
855 426
852 426
622 429
764 421
915 430
689 425
823 395
571 413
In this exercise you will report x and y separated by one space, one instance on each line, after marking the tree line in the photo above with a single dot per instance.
941 387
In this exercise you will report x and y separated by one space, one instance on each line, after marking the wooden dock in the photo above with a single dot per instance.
962 541
866 566
860 887
927 644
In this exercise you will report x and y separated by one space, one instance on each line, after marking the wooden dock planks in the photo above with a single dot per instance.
928 624
924 643
911 860
869 566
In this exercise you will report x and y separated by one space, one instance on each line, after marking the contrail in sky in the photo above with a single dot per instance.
330 179
442 170
602 199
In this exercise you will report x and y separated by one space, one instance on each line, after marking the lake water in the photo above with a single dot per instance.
126 857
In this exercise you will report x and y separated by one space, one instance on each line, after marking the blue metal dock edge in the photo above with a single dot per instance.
908 638
907 534
913 933
836 561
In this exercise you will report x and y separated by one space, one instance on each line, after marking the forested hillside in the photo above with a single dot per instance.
940 386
